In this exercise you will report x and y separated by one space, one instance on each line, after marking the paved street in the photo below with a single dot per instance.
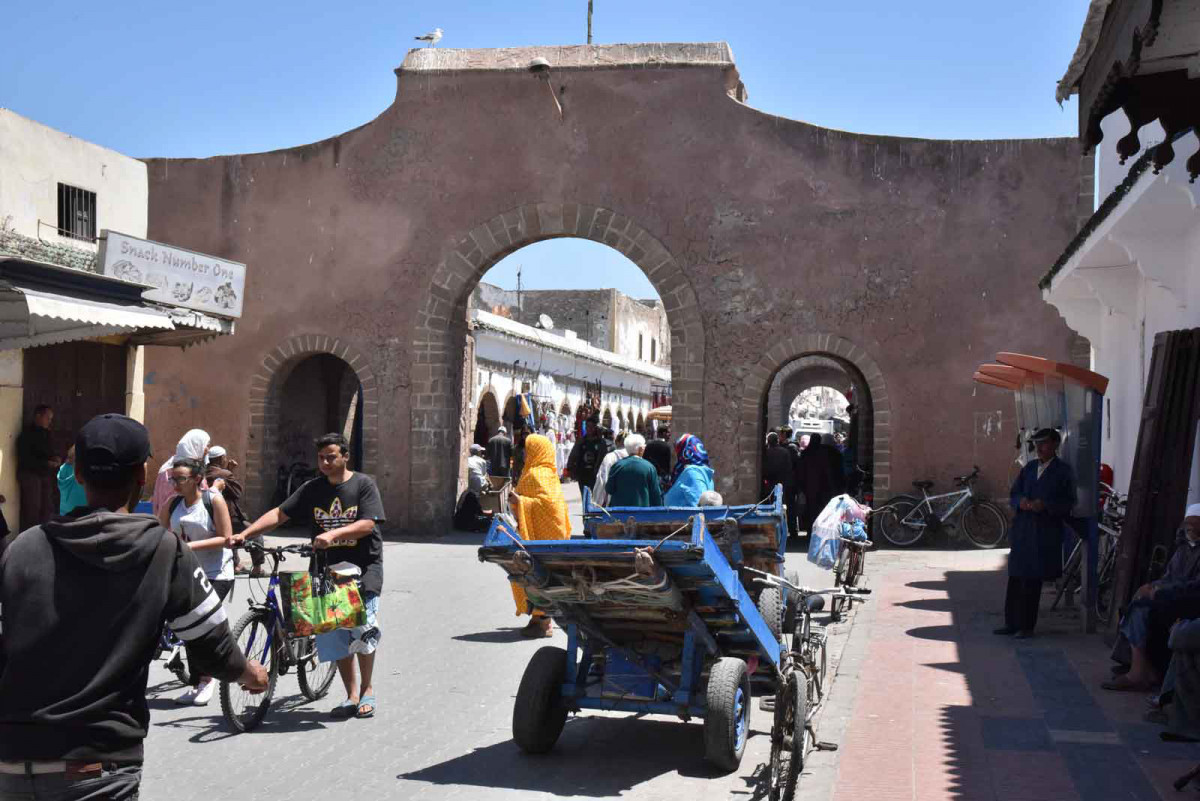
926 704
449 666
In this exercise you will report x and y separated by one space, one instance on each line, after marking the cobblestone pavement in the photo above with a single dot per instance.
449 664
944 709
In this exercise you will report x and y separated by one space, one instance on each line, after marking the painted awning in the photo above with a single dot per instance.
33 317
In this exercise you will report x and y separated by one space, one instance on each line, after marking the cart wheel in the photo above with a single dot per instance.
789 605
770 606
789 737
727 719
539 713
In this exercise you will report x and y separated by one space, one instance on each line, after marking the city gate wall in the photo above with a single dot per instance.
767 239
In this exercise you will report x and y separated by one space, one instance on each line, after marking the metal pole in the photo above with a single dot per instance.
589 41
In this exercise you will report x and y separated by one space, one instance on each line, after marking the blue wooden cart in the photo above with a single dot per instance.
658 620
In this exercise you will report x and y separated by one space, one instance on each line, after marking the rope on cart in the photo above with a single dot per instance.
585 589
684 527
755 506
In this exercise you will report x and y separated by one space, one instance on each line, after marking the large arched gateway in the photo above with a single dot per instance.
755 230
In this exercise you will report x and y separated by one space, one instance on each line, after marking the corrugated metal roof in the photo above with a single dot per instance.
29 318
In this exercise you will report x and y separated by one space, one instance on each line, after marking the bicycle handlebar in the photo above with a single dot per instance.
279 550
777 581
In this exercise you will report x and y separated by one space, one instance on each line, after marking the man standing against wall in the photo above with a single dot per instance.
36 469
499 453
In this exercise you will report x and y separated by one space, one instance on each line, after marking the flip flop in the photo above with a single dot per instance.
1121 684
367 701
344 710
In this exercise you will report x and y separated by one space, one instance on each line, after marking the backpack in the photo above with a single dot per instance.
205 496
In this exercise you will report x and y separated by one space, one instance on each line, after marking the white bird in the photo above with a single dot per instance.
431 38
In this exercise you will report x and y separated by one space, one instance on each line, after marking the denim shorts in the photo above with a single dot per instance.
341 643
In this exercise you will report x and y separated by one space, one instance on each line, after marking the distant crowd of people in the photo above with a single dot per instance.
810 471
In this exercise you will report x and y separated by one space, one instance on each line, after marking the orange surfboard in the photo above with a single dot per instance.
1036 364
984 378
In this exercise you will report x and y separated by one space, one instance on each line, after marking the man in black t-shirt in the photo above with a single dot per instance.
587 455
343 509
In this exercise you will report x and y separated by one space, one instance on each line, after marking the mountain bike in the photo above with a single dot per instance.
904 519
262 634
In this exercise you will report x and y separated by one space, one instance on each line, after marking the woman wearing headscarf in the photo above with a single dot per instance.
692 476
541 512
193 445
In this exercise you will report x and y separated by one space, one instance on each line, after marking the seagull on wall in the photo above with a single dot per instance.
431 38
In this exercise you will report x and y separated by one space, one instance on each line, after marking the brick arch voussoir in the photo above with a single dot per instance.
441 312
265 388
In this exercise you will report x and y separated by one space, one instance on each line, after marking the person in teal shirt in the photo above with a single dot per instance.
693 476
633 481
70 492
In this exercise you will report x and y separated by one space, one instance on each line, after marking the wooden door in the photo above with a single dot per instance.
79 379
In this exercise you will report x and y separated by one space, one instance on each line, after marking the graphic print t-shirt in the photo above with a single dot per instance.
327 507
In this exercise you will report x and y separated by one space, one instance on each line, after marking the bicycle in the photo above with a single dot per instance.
905 518
801 685
852 558
262 634
1112 514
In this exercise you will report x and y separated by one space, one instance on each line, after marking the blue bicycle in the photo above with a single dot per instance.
262 634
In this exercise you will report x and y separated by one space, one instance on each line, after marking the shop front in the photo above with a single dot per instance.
74 339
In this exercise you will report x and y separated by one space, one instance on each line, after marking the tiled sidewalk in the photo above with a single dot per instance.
944 709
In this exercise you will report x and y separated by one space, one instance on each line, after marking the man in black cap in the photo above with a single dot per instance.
98 584
1042 497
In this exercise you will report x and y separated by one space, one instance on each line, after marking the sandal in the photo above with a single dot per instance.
367 703
1122 684
344 710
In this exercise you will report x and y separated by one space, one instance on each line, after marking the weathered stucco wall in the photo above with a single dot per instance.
766 238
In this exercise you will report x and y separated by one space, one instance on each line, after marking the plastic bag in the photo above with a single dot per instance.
825 539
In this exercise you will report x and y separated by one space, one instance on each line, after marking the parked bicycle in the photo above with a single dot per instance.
852 558
802 683
262 634
1112 515
904 519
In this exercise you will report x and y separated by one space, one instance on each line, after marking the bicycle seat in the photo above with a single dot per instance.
815 603
922 484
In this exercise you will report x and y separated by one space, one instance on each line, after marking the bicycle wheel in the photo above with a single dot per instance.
854 567
898 522
1070 576
242 709
314 676
985 524
789 737
1106 587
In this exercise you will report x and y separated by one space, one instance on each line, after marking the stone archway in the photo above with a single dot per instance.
261 452
487 420
795 347
441 328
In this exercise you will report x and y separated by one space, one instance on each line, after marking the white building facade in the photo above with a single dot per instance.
1133 272
511 358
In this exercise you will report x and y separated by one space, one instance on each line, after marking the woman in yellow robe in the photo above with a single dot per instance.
541 514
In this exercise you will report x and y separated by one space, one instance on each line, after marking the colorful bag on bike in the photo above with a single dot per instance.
317 605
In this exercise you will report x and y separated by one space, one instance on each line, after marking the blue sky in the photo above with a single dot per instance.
166 79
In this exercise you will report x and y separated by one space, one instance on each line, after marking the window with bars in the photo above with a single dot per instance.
639 347
76 212
654 350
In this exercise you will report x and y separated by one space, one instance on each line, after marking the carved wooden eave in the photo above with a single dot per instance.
1142 57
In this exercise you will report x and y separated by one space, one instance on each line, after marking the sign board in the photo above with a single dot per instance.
177 277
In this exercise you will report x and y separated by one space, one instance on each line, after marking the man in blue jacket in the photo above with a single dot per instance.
1042 497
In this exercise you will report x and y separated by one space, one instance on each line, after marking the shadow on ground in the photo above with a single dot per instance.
598 757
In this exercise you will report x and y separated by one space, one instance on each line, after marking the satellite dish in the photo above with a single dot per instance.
545 321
